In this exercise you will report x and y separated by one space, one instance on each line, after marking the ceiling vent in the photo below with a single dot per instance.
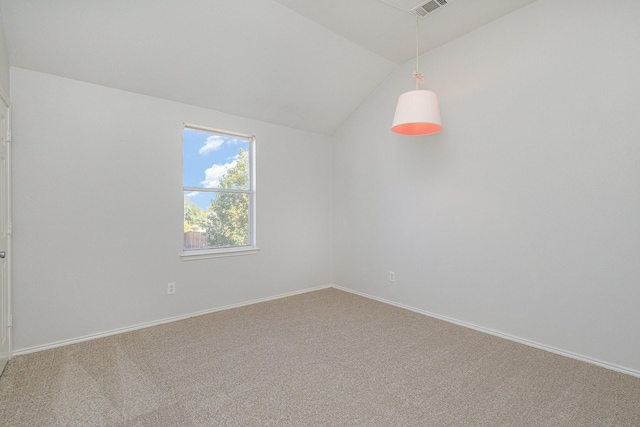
429 7
418 7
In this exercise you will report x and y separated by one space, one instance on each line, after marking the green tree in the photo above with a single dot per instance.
194 217
227 219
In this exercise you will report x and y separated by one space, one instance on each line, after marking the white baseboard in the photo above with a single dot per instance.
529 343
158 322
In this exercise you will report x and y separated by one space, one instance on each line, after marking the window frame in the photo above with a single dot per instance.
225 251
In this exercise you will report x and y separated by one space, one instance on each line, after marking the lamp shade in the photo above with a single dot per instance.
417 113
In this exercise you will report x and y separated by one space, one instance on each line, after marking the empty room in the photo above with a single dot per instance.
320 213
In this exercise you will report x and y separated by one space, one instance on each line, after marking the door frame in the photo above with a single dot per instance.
5 100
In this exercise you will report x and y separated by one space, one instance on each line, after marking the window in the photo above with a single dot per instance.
218 180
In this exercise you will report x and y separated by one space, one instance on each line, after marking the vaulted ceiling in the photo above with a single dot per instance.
304 64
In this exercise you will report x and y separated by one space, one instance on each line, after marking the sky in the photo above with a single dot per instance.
205 158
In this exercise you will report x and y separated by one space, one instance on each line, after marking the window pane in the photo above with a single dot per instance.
212 160
215 220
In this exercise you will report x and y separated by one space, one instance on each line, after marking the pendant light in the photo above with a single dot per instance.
418 111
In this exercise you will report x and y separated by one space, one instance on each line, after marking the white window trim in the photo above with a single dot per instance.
252 248
218 253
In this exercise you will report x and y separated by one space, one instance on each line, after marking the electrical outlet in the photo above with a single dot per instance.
392 276
171 288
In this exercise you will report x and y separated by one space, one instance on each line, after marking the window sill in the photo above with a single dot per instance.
217 253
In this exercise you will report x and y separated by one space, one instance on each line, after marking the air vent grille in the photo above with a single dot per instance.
428 7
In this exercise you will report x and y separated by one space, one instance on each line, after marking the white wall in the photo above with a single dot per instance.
523 215
4 61
98 212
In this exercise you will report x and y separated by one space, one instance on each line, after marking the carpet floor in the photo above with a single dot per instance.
324 358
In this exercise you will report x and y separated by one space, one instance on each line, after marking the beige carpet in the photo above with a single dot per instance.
325 358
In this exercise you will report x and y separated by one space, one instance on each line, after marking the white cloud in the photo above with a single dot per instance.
213 143
214 173
192 194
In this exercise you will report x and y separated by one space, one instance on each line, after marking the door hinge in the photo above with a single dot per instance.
10 321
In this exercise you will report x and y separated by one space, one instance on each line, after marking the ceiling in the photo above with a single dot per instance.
305 64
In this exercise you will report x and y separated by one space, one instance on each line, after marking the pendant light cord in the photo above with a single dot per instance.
419 77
